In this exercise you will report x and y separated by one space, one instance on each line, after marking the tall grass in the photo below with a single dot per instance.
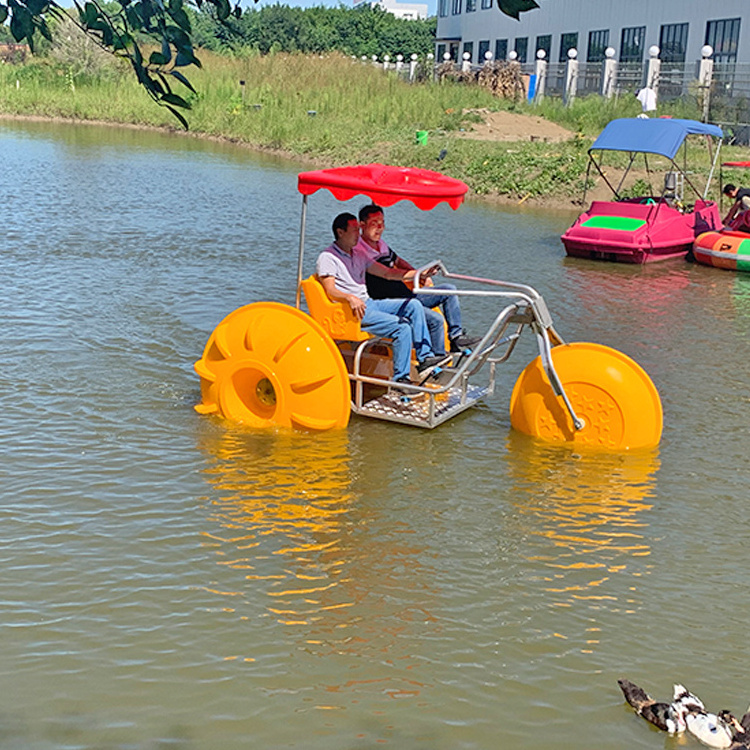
331 109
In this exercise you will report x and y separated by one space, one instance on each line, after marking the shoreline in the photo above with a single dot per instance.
557 205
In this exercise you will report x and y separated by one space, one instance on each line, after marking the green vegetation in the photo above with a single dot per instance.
330 109
125 27
280 28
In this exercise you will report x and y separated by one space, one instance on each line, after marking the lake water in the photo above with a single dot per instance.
169 580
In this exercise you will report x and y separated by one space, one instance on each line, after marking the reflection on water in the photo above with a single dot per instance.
287 518
589 513
283 500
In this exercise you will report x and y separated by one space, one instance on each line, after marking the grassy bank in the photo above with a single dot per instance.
332 110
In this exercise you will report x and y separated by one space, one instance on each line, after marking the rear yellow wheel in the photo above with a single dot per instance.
268 364
614 396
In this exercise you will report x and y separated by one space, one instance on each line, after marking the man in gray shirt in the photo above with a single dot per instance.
341 269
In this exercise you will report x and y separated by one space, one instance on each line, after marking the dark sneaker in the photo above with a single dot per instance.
463 342
429 363
400 389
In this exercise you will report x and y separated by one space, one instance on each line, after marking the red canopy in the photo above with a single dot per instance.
745 164
386 185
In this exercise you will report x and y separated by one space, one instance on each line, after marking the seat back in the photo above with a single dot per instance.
336 318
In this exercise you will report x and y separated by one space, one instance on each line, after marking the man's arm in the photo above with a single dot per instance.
732 211
406 266
358 306
396 274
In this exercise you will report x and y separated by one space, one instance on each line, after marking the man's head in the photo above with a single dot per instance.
346 231
371 223
730 190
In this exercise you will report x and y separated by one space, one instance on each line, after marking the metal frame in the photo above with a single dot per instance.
450 390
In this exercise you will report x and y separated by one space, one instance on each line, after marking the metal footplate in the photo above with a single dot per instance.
422 408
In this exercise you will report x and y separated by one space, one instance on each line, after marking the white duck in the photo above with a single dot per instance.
667 716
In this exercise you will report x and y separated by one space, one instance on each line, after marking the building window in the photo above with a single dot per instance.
469 47
501 49
486 4
443 8
673 42
544 42
598 42
440 52
484 48
471 6
567 41
632 43
456 7
522 48
723 36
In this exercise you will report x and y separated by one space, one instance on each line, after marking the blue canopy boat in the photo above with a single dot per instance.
655 226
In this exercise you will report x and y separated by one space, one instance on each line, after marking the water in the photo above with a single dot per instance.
171 580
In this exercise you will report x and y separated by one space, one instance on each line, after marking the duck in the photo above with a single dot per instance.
741 727
667 716
715 730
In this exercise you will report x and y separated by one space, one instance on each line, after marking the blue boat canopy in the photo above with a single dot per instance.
662 136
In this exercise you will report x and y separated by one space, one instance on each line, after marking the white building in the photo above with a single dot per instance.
680 28
410 11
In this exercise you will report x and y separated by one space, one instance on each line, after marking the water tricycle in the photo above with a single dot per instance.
269 364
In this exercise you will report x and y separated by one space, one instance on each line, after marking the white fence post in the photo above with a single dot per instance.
466 64
412 67
571 76
541 75
705 77
653 70
609 74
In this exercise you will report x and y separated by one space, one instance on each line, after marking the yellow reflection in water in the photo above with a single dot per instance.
280 508
585 516
317 557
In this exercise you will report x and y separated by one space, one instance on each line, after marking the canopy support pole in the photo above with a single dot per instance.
301 249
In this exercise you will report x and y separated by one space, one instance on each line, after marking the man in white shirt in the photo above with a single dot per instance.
341 269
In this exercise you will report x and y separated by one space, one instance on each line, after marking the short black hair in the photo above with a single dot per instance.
367 211
728 189
341 222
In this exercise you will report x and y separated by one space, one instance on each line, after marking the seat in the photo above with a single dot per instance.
336 318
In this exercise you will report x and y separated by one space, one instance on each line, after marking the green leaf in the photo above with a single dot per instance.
90 14
179 38
181 78
44 29
181 19
223 9
514 8
175 100
156 58
186 57
21 26
166 52
3 13
179 117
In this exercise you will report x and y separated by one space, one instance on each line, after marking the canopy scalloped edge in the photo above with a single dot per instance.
386 185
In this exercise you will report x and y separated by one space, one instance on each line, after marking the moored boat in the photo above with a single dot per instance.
654 226
723 249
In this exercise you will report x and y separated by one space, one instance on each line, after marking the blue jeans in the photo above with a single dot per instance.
402 320
451 310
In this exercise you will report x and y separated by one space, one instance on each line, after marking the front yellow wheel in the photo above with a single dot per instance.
613 395
268 364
